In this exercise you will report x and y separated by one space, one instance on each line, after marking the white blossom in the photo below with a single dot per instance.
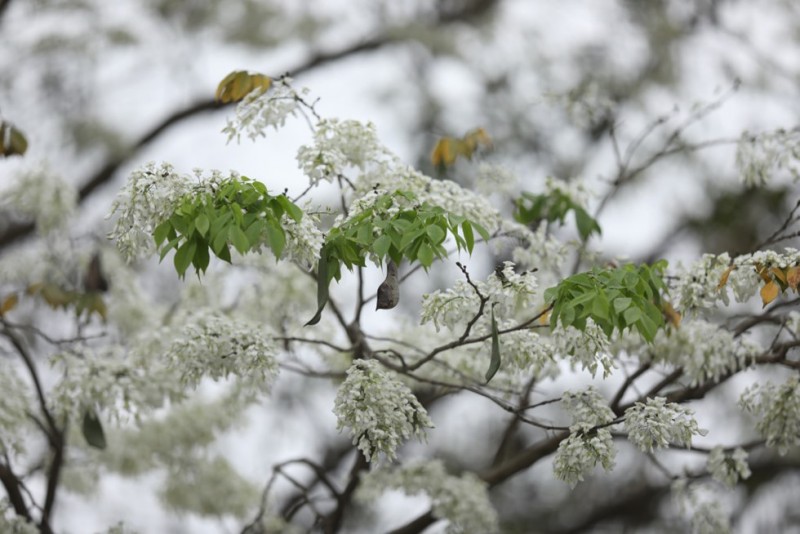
304 240
337 146
778 412
535 250
698 286
705 514
493 178
655 424
728 468
44 196
758 157
379 411
587 406
149 197
15 404
702 349
462 501
582 451
121 383
589 347
260 110
214 346
10 523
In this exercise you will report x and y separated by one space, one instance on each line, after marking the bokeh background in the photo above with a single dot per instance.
567 89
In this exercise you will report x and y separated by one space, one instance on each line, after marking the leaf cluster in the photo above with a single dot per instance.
776 280
448 149
238 84
417 233
615 299
554 206
239 212
57 297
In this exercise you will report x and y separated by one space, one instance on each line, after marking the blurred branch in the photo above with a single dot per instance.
3 7
468 10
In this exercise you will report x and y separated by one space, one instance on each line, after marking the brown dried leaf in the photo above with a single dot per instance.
9 303
793 277
723 280
770 292
671 314
779 274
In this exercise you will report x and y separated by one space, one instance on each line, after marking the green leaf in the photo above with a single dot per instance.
425 255
276 236
92 430
586 224
381 246
621 304
494 364
201 257
632 315
202 224
322 288
481 231
184 256
469 237
436 234
291 208
161 232
238 239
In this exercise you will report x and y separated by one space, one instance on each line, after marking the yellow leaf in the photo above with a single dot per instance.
11 140
778 274
545 318
477 138
793 277
55 296
769 292
238 84
723 280
9 303
444 153
763 273
671 314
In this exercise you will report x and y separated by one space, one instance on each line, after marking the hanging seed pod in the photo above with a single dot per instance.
389 290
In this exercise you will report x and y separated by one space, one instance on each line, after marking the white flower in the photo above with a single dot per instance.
43 195
758 157
778 412
589 347
463 501
15 404
380 411
535 250
728 468
494 179
656 424
582 451
260 110
337 146
698 287
702 349
587 406
214 346
148 198
303 240
11 523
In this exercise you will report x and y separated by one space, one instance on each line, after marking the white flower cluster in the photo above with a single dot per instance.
537 249
587 406
148 198
703 349
655 424
43 195
589 348
778 412
575 190
705 513
337 146
705 284
11 523
303 240
15 404
509 294
380 411
579 453
728 468
214 346
758 157
122 384
586 445
393 175
260 110
462 501
493 178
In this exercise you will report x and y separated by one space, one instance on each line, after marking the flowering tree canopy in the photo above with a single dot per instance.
454 335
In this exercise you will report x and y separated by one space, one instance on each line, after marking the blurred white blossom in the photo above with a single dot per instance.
11 523
728 468
778 411
15 405
337 146
587 406
44 196
759 157
379 410
260 110
462 501
655 424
